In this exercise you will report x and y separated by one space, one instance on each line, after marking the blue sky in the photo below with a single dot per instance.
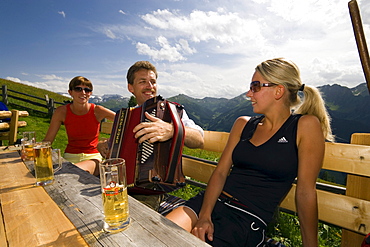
201 48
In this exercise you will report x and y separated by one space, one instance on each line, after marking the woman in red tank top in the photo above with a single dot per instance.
82 121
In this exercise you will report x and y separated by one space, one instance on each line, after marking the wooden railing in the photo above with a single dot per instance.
348 208
48 103
9 129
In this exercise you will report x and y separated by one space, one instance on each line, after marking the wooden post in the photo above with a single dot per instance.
357 187
5 94
360 39
49 105
13 127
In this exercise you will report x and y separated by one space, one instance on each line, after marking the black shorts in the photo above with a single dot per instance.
233 226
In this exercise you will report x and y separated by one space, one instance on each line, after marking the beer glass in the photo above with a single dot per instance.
114 194
44 163
28 140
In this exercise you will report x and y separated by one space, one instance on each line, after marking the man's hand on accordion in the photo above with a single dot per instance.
156 130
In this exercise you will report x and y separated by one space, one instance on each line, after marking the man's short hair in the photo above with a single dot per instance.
138 66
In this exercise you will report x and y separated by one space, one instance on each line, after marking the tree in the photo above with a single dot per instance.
132 102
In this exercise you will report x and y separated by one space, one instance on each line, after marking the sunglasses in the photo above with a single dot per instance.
79 89
256 86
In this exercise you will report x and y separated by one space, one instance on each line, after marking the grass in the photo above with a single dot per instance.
285 228
40 125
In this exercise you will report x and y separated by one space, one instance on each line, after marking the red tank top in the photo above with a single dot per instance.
82 132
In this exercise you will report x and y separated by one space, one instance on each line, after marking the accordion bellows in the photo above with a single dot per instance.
150 168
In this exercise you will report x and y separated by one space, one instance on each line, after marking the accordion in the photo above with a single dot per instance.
151 168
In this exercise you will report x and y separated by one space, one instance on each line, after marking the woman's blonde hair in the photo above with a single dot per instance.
284 72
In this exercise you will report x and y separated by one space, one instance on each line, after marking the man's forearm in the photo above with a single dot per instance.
193 138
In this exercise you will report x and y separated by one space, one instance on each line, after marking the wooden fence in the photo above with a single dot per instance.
48 103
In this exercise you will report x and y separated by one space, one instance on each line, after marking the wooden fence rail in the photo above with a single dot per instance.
48 103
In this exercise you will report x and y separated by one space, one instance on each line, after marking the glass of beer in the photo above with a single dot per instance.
44 163
114 194
28 140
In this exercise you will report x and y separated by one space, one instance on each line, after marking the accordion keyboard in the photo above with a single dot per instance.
146 148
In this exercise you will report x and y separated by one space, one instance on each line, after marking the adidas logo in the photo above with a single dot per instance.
282 140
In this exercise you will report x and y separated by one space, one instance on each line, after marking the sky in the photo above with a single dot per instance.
201 48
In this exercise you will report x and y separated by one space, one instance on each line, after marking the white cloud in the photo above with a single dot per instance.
309 34
110 34
13 79
166 52
209 48
51 77
62 13
184 46
200 80
49 82
224 27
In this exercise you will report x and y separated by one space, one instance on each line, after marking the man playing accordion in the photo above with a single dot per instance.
142 83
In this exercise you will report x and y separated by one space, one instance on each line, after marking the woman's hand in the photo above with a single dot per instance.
202 228
103 148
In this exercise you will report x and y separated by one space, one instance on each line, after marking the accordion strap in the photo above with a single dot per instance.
177 142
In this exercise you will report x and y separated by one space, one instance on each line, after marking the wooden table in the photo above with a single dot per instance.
69 212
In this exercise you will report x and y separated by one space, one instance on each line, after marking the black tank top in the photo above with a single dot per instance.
262 175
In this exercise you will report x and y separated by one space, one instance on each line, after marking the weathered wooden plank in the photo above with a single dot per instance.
31 217
348 158
197 170
106 127
78 194
340 210
13 128
8 114
3 241
6 125
215 141
358 187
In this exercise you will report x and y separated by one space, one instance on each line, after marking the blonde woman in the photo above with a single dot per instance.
265 154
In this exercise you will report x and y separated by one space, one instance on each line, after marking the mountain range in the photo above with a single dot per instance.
349 109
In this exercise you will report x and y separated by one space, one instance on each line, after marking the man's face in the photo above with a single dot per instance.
144 86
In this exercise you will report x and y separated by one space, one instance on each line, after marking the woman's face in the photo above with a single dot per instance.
261 96
80 93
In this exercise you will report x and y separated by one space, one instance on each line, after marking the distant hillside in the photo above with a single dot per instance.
114 102
348 107
39 92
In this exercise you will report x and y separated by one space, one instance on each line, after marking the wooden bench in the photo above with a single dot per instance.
347 208
10 129
350 211
106 127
